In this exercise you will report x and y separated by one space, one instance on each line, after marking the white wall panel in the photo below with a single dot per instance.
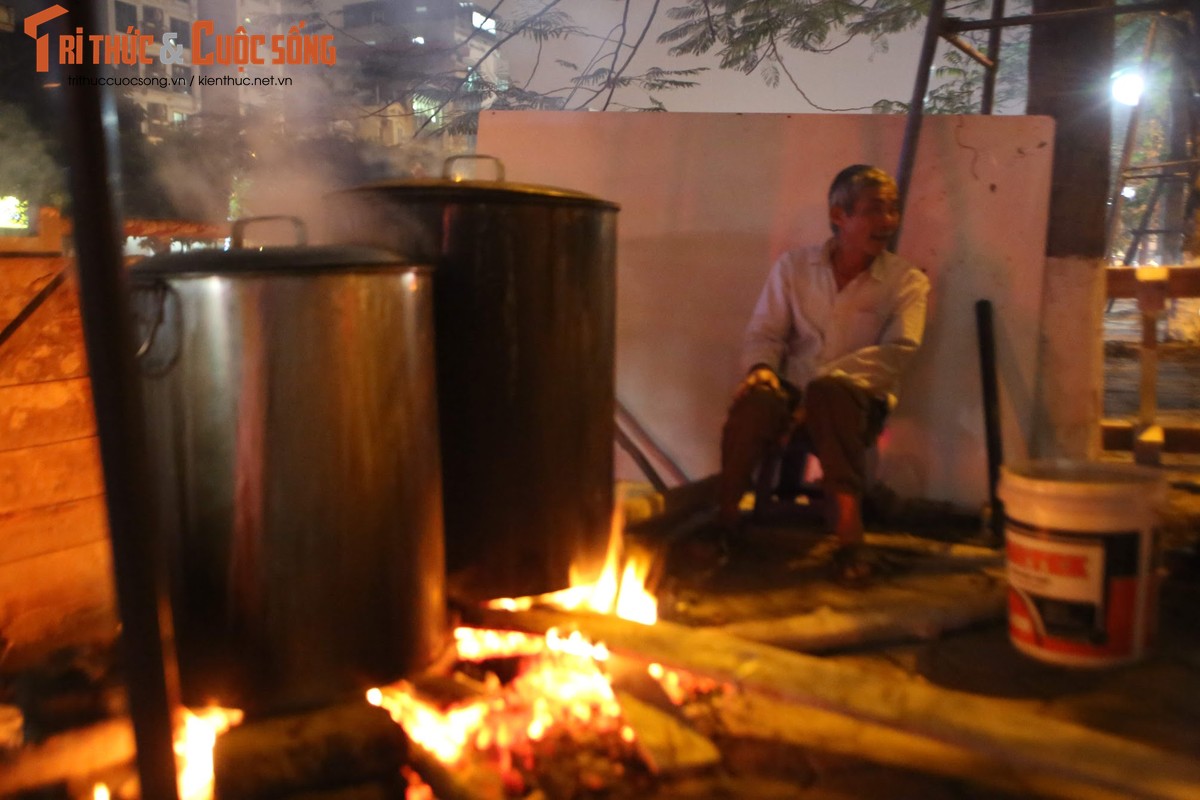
709 200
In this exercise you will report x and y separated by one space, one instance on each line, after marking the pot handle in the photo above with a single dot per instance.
163 301
448 169
238 232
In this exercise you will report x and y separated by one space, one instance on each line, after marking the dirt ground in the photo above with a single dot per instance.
775 571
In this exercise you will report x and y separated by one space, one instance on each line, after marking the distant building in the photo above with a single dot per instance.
262 17
412 64
167 93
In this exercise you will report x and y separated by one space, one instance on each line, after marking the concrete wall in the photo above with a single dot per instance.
709 200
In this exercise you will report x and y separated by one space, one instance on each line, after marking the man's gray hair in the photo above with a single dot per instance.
850 183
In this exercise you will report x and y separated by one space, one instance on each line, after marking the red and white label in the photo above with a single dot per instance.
1056 569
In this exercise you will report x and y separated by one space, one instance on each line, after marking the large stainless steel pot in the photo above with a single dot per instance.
524 297
291 412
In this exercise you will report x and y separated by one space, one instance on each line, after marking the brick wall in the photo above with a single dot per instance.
56 585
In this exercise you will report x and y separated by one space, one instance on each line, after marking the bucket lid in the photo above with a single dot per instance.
451 187
1081 478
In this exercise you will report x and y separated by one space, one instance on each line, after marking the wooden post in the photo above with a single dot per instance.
1152 298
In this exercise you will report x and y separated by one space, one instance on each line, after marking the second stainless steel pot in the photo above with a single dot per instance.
524 296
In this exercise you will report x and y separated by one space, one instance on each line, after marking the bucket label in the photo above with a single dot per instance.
1072 592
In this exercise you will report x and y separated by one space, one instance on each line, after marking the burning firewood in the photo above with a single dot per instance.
334 747
1051 756
81 751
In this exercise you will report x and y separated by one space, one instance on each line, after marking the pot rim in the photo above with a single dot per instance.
287 260
483 190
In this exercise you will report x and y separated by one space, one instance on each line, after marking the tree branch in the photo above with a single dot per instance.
633 51
779 60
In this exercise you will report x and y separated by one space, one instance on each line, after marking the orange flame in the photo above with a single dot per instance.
195 736
615 590
194 741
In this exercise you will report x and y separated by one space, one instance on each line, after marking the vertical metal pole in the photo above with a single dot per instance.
993 54
142 599
991 412
916 108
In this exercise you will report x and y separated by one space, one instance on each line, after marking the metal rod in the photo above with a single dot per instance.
971 51
1117 201
142 599
916 107
993 52
991 412
629 446
1191 162
964 25
33 305
626 418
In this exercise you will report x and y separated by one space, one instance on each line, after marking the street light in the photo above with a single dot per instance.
1127 86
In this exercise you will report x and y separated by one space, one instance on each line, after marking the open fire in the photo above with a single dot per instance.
560 691
620 588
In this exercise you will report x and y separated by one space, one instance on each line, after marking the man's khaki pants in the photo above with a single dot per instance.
838 420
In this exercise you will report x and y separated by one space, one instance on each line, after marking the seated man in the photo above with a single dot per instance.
833 329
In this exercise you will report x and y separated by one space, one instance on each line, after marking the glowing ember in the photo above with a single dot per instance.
560 688
194 741
477 645
681 687
626 596
417 789
443 733
100 792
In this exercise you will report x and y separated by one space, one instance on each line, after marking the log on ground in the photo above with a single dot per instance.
1055 757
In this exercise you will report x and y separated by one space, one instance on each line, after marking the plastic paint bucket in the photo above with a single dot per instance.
1079 546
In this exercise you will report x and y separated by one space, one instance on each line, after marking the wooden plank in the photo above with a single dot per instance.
50 598
1054 756
1118 434
48 475
964 600
753 716
38 531
49 345
44 413
1122 282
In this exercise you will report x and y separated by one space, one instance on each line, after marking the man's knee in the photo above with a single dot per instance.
760 413
828 393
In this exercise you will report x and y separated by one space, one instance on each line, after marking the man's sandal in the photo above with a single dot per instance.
851 566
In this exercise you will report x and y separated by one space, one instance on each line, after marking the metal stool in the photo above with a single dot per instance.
781 477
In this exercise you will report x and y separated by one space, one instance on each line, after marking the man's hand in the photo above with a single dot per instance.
760 376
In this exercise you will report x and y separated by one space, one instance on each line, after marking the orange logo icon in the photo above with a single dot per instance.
43 42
